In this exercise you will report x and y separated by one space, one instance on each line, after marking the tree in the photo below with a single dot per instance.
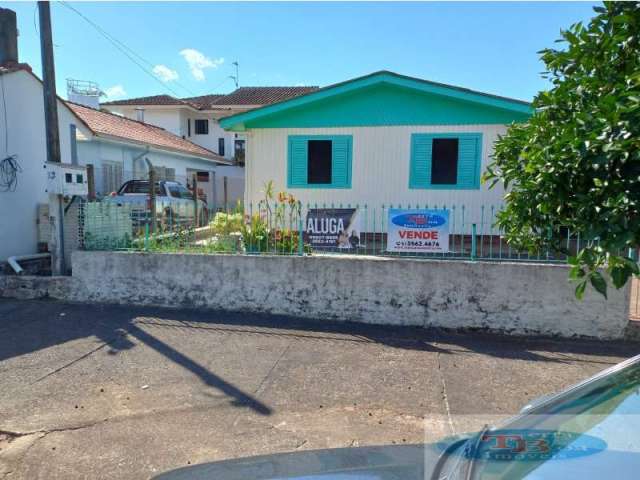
575 165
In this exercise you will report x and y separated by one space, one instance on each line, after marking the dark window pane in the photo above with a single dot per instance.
319 157
221 147
178 191
444 161
202 126
138 186
239 151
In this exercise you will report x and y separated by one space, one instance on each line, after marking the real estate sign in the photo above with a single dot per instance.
333 228
419 230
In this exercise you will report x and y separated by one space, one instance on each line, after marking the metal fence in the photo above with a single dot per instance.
287 227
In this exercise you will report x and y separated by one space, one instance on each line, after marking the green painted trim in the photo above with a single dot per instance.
424 86
348 139
420 161
387 105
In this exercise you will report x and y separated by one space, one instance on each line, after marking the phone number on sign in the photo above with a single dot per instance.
417 244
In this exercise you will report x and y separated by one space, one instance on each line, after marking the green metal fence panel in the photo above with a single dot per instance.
279 226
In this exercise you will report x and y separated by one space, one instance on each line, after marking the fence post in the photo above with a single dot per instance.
195 200
91 183
300 231
473 241
152 199
226 194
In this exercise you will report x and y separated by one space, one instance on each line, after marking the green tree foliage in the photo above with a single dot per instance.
575 165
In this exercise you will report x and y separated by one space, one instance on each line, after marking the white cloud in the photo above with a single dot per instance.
115 92
164 73
197 62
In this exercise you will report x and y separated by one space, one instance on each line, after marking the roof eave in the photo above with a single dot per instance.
150 106
117 139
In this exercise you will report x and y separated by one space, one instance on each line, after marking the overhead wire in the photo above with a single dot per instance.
9 166
126 50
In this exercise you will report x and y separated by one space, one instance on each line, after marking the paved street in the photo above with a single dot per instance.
114 392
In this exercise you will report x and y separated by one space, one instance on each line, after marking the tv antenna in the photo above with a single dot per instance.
236 77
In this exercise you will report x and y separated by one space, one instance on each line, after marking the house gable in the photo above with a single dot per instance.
384 99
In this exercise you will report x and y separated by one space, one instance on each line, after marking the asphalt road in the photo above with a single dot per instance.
92 391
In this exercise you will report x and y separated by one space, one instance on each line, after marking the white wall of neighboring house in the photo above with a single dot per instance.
234 182
380 168
116 162
22 124
171 119
175 120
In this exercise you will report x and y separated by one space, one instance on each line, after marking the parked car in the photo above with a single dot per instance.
174 203
588 431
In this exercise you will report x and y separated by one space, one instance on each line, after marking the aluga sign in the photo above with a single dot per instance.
418 230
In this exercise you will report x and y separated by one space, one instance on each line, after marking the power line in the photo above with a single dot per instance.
127 51
213 89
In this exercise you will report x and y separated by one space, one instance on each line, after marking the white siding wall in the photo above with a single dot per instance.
380 167
26 134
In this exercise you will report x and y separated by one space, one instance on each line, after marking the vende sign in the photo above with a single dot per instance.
418 230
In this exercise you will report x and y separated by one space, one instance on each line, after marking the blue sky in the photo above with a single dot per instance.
490 47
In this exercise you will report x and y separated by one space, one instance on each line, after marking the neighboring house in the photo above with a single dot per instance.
197 119
22 138
381 140
117 148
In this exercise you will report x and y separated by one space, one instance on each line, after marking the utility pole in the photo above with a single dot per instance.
56 211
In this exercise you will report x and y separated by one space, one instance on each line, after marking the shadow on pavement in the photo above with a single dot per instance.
209 378
34 325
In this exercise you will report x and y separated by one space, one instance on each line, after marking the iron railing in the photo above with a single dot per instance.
284 228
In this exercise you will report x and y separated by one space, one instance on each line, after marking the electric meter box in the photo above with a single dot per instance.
66 179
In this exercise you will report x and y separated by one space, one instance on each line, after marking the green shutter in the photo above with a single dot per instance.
297 158
297 161
420 165
341 161
469 160
469 149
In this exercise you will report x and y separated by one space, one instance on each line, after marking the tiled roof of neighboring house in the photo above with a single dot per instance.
241 96
203 101
152 100
263 95
104 123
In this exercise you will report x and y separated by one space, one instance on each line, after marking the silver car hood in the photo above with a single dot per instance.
396 462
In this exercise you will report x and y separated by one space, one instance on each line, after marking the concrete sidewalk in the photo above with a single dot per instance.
105 391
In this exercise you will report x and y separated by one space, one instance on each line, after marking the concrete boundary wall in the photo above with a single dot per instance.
515 298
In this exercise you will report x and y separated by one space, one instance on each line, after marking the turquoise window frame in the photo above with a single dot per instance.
334 184
422 180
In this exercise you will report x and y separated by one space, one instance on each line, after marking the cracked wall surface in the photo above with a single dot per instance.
507 297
